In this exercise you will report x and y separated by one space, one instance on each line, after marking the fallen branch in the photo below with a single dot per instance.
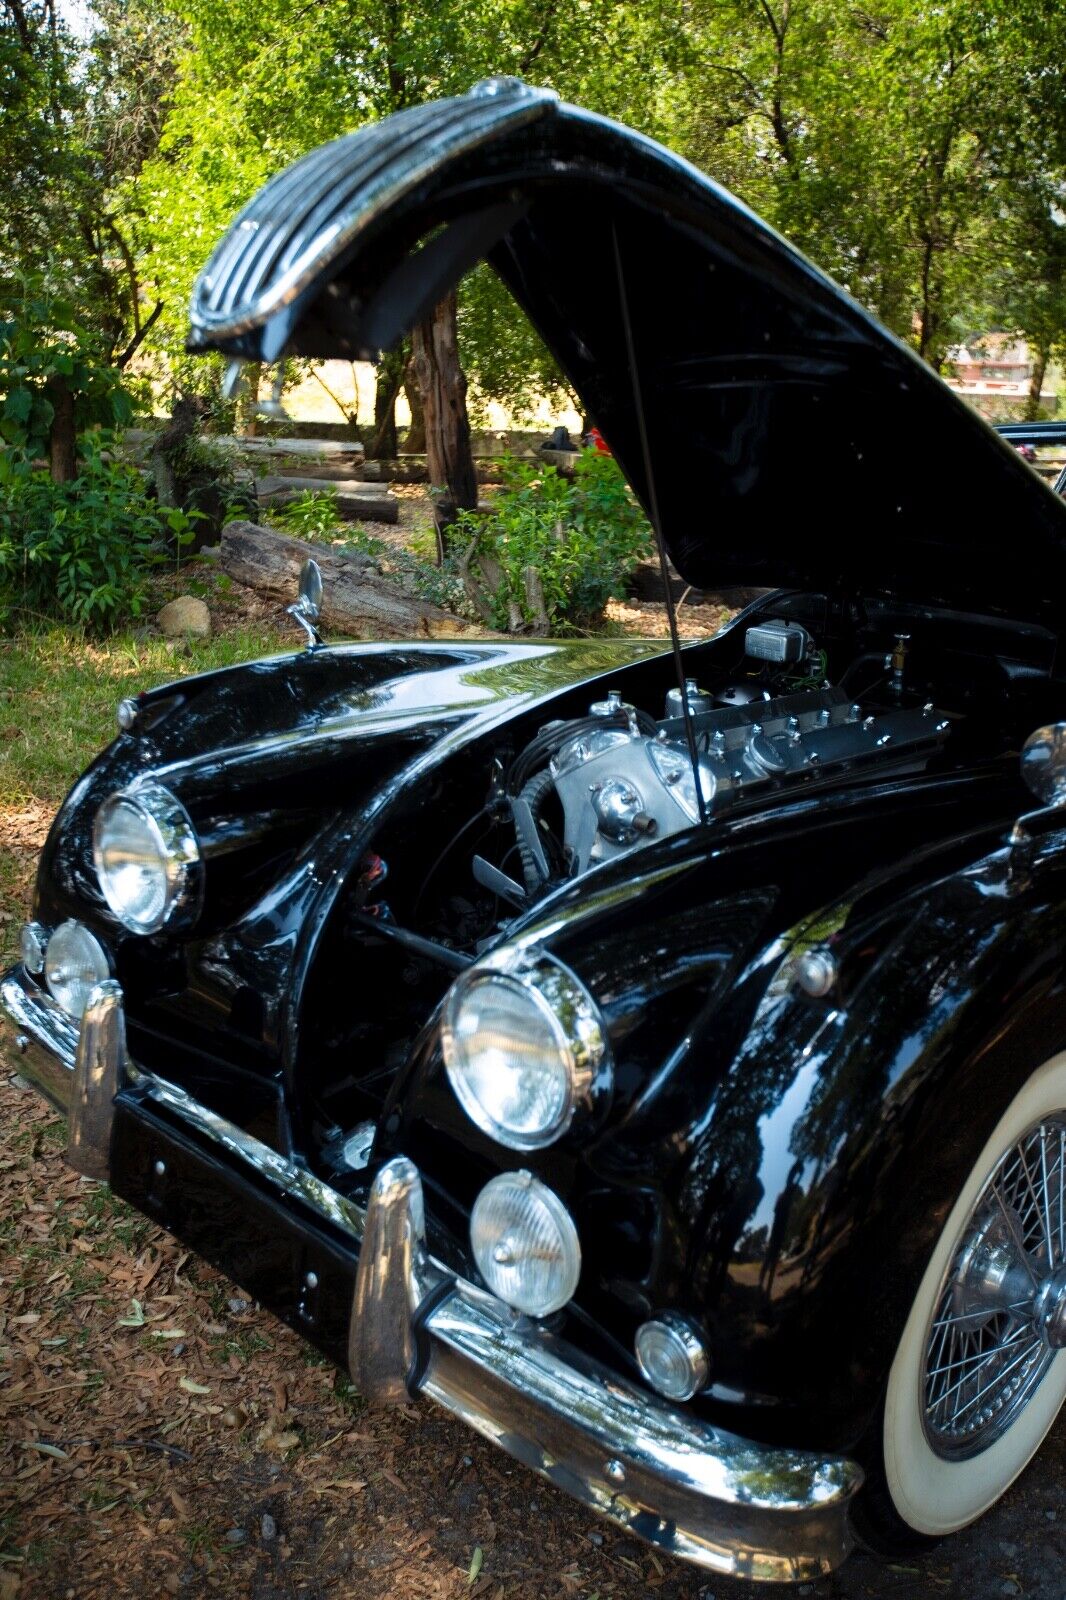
357 599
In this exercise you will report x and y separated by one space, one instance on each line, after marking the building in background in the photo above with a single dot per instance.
994 372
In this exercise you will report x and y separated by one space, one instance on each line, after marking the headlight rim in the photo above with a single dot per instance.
580 1031
179 852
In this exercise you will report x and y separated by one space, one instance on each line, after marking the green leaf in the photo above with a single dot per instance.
136 1318
18 405
477 1561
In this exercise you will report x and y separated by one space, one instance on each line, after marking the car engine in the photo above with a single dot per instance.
624 779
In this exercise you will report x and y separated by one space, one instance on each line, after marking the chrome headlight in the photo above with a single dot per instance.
74 963
146 856
524 1046
525 1244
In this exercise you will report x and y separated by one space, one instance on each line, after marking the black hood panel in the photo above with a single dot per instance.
791 439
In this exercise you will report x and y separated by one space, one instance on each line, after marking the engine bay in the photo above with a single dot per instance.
623 772
621 777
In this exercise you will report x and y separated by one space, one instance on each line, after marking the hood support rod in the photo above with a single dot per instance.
653 510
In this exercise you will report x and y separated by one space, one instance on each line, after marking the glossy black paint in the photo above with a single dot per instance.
767 1158
284 767
770 1158
810 423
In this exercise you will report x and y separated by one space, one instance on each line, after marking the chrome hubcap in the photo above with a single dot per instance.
1000 1317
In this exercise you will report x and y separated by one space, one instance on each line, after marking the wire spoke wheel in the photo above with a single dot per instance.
1000 1314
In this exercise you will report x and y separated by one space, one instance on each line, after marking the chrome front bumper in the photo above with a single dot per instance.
738 1508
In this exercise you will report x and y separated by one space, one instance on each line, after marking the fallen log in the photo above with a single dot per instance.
356 599
369 502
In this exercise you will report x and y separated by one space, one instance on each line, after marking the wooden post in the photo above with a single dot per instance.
442 385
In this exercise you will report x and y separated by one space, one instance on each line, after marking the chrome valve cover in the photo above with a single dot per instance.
620 789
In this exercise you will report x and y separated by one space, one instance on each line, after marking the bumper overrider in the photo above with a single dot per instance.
407 1326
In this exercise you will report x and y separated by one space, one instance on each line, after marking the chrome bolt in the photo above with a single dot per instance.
126 714
816 972
160 1169
311 1280
614 1471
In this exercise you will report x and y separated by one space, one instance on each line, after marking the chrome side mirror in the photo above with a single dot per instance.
305 609
1044 764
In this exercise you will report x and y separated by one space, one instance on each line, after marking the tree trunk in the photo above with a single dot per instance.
62 442
415 442
356 599
165 456
384 444
442 385
1036 384
247 416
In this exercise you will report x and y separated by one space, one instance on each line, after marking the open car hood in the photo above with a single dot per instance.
791 440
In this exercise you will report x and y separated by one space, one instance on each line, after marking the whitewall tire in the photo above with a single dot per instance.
964 1415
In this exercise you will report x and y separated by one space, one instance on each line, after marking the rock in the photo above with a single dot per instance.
268 1528
1009 1587
236 1536
596 1539
237 1305
185 616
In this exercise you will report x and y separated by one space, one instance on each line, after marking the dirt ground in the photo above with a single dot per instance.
160 1435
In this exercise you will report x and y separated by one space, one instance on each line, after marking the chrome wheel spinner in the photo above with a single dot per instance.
1000 1317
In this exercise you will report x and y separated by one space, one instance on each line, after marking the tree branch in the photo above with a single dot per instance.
139 337
530 57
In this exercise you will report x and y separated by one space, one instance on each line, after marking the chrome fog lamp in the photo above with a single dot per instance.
524 1047
525 1244
147 857
672 1356
74 963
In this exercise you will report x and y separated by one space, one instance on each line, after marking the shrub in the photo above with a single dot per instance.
79 550
311 515
582 536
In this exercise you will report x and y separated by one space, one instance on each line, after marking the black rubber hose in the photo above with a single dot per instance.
534 793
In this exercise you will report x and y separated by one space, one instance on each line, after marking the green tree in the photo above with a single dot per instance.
886 142
258 87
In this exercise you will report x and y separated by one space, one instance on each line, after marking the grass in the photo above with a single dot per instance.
58 693
59 689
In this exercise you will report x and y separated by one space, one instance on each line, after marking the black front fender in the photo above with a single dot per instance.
846 1126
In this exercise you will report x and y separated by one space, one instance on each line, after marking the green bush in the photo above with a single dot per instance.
583 536
311 515
78 550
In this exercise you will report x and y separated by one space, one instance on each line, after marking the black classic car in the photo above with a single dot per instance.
658 1059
